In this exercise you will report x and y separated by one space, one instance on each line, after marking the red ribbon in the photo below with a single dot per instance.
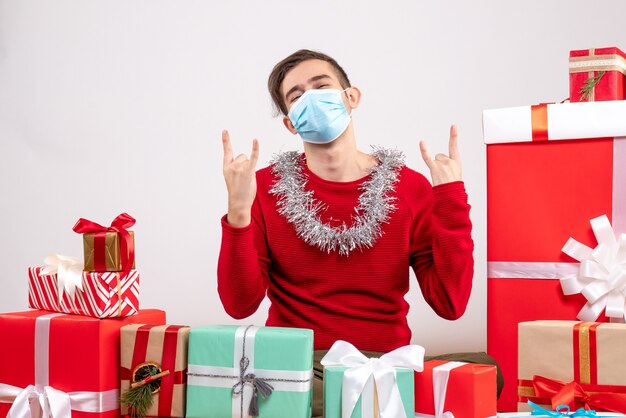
586 373
539 116
127 246
573 395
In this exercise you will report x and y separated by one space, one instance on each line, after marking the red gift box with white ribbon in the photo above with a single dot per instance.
62 365
454 388
550 170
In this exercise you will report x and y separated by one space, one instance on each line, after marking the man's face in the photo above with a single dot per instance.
309 74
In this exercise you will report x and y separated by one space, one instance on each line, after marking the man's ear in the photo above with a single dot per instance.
353 95
289 125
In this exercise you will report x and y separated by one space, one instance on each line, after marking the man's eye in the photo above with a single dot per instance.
294 98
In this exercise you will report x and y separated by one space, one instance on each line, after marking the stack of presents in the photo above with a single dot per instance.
556 303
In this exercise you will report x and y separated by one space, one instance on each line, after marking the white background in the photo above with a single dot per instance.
113 106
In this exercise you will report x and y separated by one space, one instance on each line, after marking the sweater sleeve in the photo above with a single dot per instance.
442 249
243 265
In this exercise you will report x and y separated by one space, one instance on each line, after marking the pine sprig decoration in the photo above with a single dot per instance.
139 398
590 84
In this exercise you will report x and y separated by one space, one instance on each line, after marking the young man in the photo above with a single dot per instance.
330 235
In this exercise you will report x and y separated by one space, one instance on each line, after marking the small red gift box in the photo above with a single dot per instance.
550 170
103 295
68 364
597 74
464 389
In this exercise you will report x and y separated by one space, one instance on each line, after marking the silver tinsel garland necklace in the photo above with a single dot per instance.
302 210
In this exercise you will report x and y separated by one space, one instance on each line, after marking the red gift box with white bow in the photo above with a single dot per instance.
550 170
62 365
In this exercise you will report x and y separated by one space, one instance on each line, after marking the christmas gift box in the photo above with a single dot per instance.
237 371
465 390
62 365
577 364
597 74
550 170
108 248
357 387
61 288
154 369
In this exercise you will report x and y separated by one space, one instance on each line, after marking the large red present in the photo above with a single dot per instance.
101 295
464 390
597 74
550 170
65 364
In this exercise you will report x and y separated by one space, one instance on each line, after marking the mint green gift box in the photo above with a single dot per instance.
333 383
281 356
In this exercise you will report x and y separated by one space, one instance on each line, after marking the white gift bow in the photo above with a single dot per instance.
441 375
50 402
601 277
69 271
382 369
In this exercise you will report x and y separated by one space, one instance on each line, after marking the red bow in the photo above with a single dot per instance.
119 225
573 395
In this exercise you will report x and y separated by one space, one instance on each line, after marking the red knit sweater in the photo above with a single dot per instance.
358 298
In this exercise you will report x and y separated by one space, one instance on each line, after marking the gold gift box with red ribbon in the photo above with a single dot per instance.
109 248
580 364
163 349
102 251
597 74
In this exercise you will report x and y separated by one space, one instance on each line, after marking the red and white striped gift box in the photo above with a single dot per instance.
103 294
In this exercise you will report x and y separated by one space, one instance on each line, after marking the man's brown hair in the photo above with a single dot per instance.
282 68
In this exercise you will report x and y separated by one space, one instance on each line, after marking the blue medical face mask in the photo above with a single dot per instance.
319 115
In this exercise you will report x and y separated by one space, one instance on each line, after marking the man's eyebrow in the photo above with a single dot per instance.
312 79
319 77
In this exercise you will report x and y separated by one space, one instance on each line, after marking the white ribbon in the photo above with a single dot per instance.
69 271
602 274
43 401
530 270
365 371
441 375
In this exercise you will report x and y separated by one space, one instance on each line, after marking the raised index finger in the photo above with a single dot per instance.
454 144
228 149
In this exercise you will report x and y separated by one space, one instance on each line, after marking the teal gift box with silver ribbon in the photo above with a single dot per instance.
244 371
